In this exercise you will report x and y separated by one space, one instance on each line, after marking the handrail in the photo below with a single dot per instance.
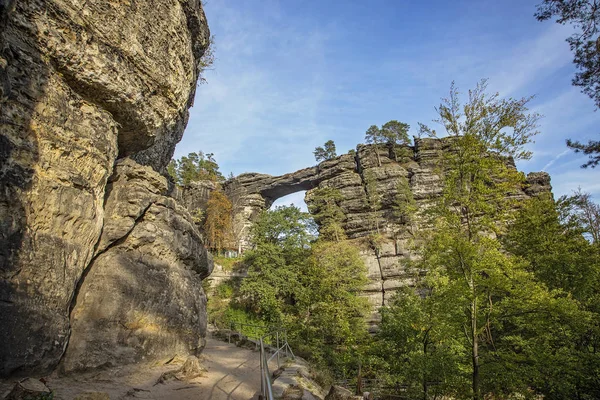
266 387
280 341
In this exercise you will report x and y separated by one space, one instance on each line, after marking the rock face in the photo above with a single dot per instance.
359 177
142 297
82 84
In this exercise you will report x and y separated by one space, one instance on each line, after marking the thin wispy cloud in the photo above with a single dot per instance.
554 160
290 75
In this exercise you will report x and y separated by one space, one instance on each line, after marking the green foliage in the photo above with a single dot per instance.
391 134
421 345
327 152
548 236
404 206
309 287
228 263
583 15
195 167
464 261
287 227
198 216
324 205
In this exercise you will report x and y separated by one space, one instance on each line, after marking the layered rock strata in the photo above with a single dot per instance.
370 173
84 83
142 297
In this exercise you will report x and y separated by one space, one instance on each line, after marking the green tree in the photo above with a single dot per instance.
585 44
330 311
310 287
420 341
281 240
391 134
462 248
195 167
404 206
324 206
549 237
327 152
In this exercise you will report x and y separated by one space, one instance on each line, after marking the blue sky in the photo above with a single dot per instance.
290 75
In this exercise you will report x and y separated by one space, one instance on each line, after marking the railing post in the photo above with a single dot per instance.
262 373
278 364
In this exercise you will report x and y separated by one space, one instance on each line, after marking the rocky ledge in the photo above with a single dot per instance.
85 246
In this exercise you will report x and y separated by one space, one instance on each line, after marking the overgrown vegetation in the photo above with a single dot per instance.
583 15
307 285
195 167
505 302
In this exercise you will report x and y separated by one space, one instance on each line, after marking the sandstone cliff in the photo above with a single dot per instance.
360 178
82 85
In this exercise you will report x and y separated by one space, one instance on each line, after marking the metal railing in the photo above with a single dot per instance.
266 386
273 342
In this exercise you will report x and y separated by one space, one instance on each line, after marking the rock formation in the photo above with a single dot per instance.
357 177
82 85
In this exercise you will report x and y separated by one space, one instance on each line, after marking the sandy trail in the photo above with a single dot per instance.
233 374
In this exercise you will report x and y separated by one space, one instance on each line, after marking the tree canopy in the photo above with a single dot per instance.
391 134
327 152
584 16
195 167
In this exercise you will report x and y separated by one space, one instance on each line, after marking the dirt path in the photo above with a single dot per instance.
233 374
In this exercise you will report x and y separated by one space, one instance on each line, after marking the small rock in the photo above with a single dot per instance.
340 393
30 389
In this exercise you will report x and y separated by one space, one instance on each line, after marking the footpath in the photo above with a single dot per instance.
232 373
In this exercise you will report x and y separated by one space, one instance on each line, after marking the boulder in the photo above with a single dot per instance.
82 84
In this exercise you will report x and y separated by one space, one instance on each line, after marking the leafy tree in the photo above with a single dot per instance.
586 214
217 222
331 314
461 249
404 206
195 167
585 44
420 342
592 149
548 236
584 15
286 227
391 134
327 152
324 206
311 287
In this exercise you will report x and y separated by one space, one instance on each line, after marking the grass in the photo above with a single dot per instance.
227 263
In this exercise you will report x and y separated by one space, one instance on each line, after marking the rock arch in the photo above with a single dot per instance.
419 166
